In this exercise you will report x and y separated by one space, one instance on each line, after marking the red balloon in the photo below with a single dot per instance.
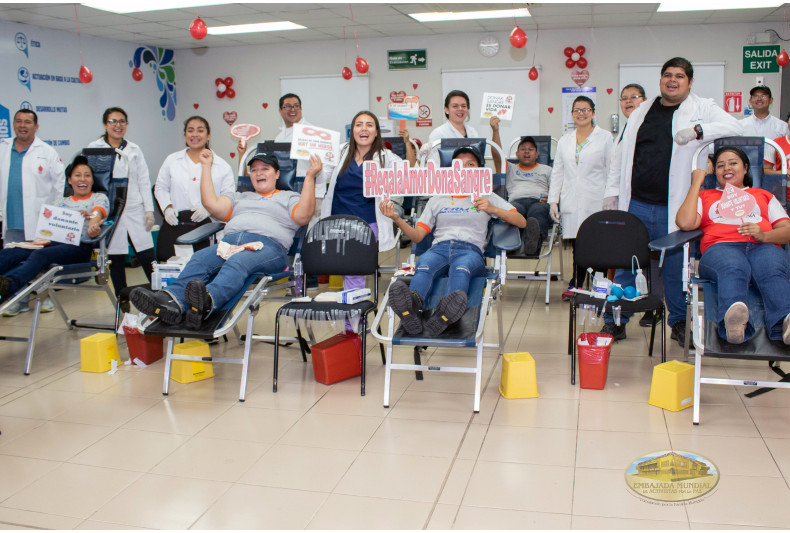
782 59
346 73
582 62
361 65
570 63
568 51
518 38
580 50
137 74
220 94
198 29
218 81
228 81
86 76
533 73
230 93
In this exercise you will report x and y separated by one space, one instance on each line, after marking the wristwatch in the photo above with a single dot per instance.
698 129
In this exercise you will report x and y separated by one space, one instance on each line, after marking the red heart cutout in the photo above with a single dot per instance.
232 155
265 105
397 96
195 105
609 91
580 77
378 98
230 117
551 110
414 85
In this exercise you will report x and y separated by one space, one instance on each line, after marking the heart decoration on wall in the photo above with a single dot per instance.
265 105
195 105
230 117
580 77
414 85
551 110
609 91
232 155
378 98
397 96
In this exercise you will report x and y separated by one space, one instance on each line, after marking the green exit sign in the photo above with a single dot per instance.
757 59
406 59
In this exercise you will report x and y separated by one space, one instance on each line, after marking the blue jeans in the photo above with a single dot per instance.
21 265
534 208
733 265
654 217
224 279
460 260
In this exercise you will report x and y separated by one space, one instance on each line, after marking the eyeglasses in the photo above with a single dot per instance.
626 98
582 110
761 96
121 121
289 107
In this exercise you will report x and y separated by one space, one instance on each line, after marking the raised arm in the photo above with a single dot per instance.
306 207
218 206
494 122
687 217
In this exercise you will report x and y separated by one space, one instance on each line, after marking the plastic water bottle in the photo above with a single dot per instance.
641 282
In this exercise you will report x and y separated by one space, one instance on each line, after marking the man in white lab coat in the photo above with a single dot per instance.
652 172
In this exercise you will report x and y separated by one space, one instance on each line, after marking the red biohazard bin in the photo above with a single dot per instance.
146 348
337 358
593 360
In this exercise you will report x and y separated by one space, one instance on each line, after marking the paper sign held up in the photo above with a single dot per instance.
736 203
500 105
309 140
59 224
245 131
409 109
402 180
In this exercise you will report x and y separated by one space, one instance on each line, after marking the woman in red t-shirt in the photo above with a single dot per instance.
741 247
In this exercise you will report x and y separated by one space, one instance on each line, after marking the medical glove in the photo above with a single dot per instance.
609 203
171 217
554 212
149 220
200 214
685 135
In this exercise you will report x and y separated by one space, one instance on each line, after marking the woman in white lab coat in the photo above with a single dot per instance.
578 179
137 219
178 187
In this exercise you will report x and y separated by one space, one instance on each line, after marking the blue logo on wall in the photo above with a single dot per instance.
5 123
23 75
20 39
162 63
26 105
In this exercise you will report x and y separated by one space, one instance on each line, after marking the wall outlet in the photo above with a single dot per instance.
760 80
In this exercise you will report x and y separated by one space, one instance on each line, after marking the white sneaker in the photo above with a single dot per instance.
47 306
14 310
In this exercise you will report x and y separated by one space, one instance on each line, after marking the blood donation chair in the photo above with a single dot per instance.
554 236
62 277
468 332
701 311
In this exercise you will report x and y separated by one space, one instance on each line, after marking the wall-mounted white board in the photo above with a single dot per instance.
329 101
475 82
708 79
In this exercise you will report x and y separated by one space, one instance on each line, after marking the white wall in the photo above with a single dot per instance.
77 108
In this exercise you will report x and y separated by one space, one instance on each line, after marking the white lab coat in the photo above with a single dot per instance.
693 110
386 233
43 180
579 189
448 131
138 200
179 186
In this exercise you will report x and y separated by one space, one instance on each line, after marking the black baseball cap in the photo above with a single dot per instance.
266 157
761 88
470 150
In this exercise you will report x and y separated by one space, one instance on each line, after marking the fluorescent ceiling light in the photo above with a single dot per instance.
138 6
253 28
713 5
469 15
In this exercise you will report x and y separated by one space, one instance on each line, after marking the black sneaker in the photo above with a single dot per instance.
156 303
531 237
199 302
448 311
617 332
5 287
679 333
647 319
403 302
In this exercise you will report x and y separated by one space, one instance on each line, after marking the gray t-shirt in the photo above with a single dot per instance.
96 201
532 183
270 215
455 218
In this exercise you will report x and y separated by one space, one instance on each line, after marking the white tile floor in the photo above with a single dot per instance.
98 451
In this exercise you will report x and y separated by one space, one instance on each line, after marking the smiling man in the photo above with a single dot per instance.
651 173
291 113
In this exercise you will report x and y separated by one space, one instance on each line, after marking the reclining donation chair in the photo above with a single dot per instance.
701 314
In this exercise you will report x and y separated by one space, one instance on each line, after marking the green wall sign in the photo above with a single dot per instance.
406 59
757 59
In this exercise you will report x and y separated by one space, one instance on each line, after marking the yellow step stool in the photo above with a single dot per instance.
97 352
518 376
191 371
335 283
673 386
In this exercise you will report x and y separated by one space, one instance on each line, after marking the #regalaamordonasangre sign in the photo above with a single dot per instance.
402 180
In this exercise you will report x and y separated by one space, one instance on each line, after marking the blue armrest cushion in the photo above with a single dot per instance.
505 237
201 233
674 240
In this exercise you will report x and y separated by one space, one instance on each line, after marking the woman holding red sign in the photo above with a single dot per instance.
345 195
741 244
